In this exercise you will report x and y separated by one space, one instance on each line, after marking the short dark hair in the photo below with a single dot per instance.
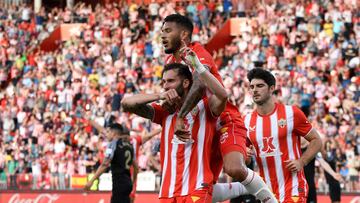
181 20
182 70
259 73
120 130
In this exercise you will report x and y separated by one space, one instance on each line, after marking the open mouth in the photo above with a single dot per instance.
165 43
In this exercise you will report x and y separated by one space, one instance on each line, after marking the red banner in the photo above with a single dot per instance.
102 197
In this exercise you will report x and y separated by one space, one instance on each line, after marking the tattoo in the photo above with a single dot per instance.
143 110
197 91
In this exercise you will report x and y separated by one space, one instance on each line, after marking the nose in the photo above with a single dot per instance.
165 86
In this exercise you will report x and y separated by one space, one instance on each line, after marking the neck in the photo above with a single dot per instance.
266 108
177 55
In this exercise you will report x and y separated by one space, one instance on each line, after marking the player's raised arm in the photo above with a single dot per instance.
138 104
218 100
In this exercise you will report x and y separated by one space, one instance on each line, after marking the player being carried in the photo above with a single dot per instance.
176 37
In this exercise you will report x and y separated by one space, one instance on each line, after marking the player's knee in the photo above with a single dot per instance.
236 170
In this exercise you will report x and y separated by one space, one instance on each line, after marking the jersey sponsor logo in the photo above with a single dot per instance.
282 123
268 148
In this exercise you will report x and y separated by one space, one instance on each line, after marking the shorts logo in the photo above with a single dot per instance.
295 198
195 198
224 135
282 123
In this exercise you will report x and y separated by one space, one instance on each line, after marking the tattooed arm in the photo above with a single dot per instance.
138 104
197 91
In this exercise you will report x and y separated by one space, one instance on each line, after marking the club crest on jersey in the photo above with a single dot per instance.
282 123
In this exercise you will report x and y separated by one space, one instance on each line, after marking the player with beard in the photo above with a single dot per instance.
186 170
176 37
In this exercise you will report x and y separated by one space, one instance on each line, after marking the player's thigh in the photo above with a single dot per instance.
232 138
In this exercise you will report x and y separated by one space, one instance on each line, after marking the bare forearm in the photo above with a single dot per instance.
311 151
214 85
195 94
138 104
147 137
132 102
327 167
136 170
98 172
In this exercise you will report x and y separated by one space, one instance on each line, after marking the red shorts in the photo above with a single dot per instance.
232 134
198 196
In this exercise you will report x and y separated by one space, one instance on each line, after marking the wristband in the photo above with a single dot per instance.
200 68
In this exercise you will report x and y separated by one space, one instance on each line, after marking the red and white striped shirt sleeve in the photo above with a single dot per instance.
302 126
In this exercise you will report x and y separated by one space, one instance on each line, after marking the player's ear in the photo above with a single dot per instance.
186 83
184 35
272 88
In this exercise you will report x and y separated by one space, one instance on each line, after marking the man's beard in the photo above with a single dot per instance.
263 101
176 43
180 90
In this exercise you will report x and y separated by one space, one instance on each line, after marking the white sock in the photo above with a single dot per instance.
226 191
257 187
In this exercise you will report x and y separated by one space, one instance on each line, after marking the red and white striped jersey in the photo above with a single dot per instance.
136 142
186 167
276 138
231 112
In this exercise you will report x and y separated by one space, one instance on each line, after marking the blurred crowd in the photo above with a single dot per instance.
311 46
